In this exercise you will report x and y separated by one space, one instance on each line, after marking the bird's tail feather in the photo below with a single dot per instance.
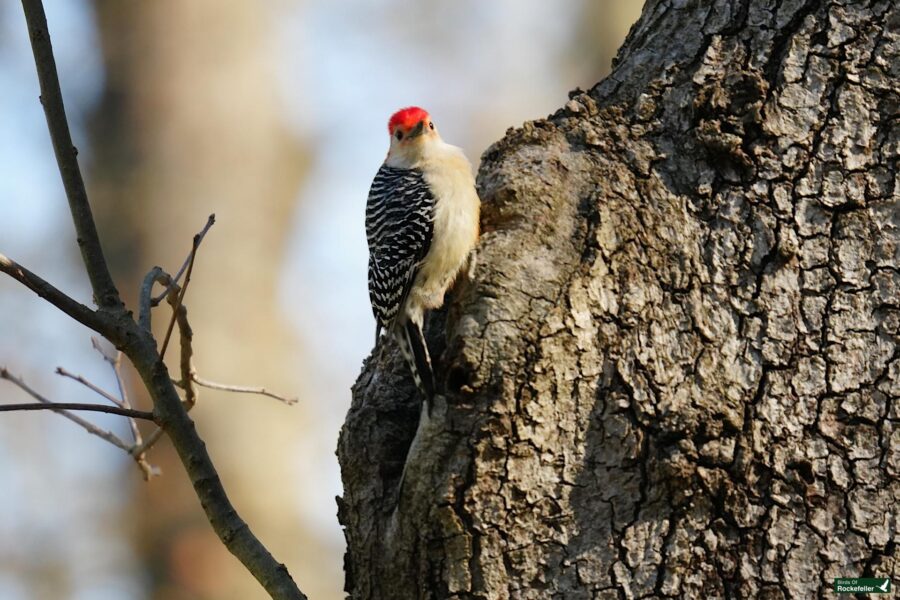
415 351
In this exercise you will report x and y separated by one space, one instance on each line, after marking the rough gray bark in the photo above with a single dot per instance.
676 371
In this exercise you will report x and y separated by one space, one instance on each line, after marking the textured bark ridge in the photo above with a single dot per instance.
676 372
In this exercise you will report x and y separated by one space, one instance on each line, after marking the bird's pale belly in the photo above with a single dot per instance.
458 224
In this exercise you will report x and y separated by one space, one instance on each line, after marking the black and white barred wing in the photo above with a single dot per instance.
399 225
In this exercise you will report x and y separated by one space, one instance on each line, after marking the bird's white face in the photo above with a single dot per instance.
411 140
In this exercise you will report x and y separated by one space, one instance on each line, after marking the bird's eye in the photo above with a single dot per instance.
399 135
430 125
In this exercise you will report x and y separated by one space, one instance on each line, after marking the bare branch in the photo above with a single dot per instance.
210 221
187 280
140 449
156 274
186 336
112 359
148 471
179 316
70 306
105 294
90 386
60 408
243 389
186 339
138 344
116 363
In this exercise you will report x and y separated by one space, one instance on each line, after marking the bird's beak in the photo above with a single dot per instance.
419 129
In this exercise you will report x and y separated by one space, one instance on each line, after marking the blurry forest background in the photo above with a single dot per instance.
271 115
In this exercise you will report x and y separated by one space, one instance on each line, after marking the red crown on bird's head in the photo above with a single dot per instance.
406 118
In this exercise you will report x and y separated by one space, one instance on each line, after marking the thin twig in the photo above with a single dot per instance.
87 425
179 316
186 337
209 223
156 274
73 308
90 386
148 470
186 342
98 346
175 307
243 389
116 363
105 294
60 406
187 280
140 449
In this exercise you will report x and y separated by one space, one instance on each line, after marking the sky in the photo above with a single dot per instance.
343 68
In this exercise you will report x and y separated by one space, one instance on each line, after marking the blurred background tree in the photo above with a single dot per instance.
189 124
271 115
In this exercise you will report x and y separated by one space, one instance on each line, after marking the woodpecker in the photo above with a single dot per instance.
422 226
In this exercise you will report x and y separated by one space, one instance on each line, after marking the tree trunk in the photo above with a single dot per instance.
676 371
